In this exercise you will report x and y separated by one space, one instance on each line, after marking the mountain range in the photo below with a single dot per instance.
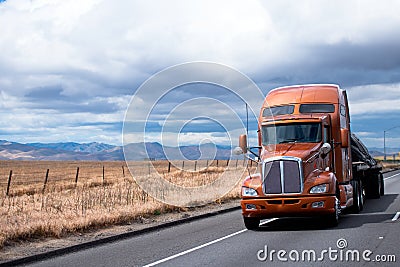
378 151
136 151
104 152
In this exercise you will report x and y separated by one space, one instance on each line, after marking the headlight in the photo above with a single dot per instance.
249 192
319 189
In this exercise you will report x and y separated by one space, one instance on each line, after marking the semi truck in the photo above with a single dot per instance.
309 162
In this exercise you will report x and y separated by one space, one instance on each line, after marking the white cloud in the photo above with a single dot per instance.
93 53
393 142
374 99
365 134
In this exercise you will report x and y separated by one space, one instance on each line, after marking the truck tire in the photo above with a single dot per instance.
362 192
373 189
333 219
382 191
358 201
251 223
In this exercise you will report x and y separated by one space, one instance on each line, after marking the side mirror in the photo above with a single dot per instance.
325 149
243 142
344 136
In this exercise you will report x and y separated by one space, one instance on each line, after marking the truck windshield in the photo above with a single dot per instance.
289 133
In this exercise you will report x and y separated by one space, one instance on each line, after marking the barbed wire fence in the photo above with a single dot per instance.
35 176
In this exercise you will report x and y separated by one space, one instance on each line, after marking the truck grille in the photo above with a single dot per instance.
283 176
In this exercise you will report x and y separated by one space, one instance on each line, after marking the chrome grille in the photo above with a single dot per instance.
283 175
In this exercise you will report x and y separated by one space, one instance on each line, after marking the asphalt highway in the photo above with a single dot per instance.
370 238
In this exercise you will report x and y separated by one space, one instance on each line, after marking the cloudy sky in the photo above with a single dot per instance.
68 69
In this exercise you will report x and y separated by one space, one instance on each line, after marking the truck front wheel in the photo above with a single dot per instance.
333 219
251 223
358 201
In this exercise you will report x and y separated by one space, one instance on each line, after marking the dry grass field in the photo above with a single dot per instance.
105 193
390 165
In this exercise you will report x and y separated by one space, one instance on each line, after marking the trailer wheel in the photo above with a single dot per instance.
251 223
373 186
358 200
382 188
362 193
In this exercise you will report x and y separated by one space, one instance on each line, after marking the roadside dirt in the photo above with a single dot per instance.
16 250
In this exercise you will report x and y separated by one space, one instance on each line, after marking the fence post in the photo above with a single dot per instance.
195 165
227 162
169 166
45 180
77 174
237 162
9 183
217 163
183 165
103 174
123 171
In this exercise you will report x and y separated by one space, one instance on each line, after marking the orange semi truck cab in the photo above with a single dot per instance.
304 157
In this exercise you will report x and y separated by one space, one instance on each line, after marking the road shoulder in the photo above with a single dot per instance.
36 249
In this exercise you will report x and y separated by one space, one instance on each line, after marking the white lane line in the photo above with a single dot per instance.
202 246
268 221
396 216
390 177
194 249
